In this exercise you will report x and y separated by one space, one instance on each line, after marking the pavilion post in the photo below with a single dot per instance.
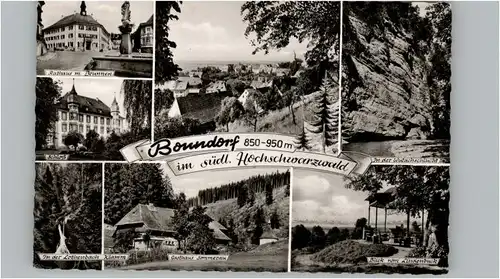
385 219
376 217
408 227
368 223
423 227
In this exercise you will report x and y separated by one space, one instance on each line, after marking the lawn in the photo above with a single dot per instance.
271 257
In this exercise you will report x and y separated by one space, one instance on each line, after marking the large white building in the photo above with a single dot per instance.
82 114
77 32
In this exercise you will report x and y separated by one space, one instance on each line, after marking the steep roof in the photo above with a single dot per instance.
151 217
76 19
86 104
160 219
268 234
202 107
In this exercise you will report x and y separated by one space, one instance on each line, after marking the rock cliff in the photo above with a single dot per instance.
390 99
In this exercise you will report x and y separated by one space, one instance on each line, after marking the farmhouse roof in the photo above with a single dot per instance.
86 104
202 107
150 217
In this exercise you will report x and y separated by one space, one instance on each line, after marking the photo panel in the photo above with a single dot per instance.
391 219
396 85
68 215
95 38
90 119
213 221
262 68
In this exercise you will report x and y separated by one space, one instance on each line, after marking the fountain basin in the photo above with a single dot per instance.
131 65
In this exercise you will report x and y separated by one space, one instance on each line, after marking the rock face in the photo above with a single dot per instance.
392 99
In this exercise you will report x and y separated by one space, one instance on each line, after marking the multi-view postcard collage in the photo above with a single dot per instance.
243 136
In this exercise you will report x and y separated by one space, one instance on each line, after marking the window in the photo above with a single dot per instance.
95 128
80 129
102 120
62 36
88 118
64 115
72 127
70 35
80 117
107 130
107 121
95 119
70 27
87 129
64 127
81 27
102 130
72 116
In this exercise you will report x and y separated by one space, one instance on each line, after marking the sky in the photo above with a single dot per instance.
104 89
107 13
215 31
190 184
322 198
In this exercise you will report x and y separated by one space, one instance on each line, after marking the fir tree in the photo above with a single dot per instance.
275 221
201 239
269 194
180 221
326 121
242 195
302 142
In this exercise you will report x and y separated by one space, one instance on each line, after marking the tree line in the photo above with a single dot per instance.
242 189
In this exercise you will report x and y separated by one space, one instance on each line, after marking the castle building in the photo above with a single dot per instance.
77 32
82 114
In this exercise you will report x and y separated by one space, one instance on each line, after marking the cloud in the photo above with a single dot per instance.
205 29
313 187
107 8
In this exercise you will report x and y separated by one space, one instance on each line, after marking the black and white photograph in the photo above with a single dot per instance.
397 213
112 36
396 85
67 213
237 220
262 67
90 118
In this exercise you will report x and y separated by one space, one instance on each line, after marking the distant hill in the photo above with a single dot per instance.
242 216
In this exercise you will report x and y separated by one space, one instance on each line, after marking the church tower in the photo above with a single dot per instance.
115 114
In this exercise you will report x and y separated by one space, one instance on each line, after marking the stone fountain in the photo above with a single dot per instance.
126 63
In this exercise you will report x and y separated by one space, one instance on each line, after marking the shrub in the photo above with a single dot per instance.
349 251
152 255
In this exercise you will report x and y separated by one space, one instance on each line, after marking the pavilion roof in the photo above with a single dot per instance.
382 199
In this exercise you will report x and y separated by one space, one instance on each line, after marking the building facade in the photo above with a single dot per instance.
77 32
143 37
82 114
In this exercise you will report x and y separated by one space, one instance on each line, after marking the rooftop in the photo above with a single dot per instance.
86 104
76 18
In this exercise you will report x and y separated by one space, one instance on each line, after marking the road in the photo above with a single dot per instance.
65 60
